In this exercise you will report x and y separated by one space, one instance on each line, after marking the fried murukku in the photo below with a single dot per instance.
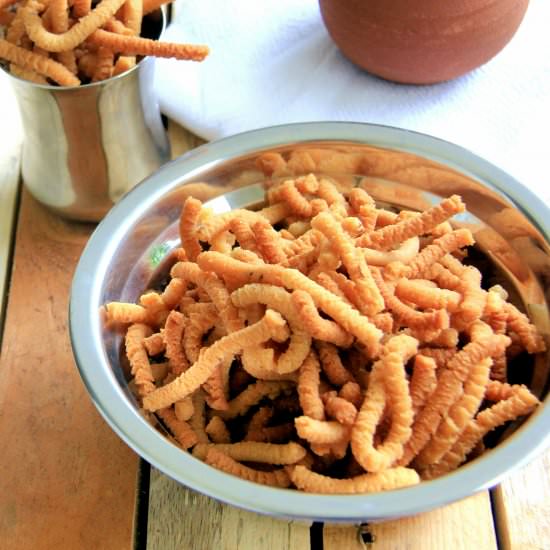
423 381
253 451
404 346
319 328
520 403
276 478
353 261
280 300
388 385
271 325
37 63
392 478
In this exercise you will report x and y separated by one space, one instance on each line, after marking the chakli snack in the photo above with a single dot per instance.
70 43
327 344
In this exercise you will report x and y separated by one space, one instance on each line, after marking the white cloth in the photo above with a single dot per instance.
273 62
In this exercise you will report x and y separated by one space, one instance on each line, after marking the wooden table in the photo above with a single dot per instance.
68 482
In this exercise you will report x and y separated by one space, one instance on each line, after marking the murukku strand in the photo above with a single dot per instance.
439 355
351 391
387 386
319 328
439 247
272 324
221 461
280 300
132 14
42 65
268 242
244 234
353 261
217 386
406 315
139 361
212 226
448 388
521 403
391 235
329 284
76 34
458 416
184 409
154 344
188 227
199 323
27 74
332 365
308 388
327 191
81 7
339 408
214 288
104 64
254 451
423 381
527 332
59 23
474 297
392 478
321 432
427 298
217 430
258 421
499 391
181 430
346 288
135 45
349 318
16 31
253 394
198 420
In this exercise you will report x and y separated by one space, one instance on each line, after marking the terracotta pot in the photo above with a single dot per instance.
421 41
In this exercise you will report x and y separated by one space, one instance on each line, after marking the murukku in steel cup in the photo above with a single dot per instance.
85 146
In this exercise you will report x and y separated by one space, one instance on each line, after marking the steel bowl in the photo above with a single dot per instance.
129 247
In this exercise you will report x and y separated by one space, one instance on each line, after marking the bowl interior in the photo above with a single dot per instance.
511 249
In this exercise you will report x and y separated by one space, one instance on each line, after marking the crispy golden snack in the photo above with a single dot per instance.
93 44
271 325
405 340
37 63
393 478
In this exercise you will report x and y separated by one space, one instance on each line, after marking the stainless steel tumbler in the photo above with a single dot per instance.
85 146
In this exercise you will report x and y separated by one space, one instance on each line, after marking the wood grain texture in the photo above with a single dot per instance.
522 506
182 140
185 520
461 526
66 480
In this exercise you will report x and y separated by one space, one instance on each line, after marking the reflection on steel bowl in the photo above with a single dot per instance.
399 169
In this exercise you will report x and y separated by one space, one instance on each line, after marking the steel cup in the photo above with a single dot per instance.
85 146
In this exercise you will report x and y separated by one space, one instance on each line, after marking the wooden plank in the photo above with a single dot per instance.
522 507
66 480
10 152
185 520
463 525
182 140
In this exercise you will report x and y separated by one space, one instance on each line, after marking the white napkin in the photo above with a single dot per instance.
273 62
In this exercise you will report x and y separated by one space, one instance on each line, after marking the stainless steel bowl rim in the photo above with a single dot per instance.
126 421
